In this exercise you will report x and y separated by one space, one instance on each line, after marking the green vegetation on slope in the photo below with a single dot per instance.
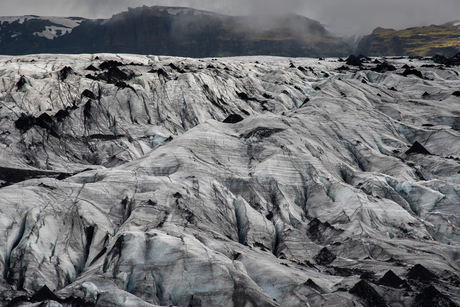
417 41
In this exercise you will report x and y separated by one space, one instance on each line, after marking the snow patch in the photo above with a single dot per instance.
11 19
53 32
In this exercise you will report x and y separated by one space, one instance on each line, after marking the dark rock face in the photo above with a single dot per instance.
384 67
354 60
452 61
431 297
414 72
420 273
324 257
63 73
233 119
390 279
368 294
417 148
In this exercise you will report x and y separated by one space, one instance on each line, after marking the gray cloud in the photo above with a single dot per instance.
340 16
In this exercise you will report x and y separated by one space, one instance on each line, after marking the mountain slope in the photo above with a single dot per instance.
174 31
417 41
249 181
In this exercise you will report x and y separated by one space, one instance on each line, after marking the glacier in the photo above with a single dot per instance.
129 180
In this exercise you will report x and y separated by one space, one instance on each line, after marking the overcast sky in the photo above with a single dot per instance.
339 16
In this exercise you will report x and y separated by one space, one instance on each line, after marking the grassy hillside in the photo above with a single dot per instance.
417 41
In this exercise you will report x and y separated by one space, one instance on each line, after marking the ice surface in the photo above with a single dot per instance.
127 189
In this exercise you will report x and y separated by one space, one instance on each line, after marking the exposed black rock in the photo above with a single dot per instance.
63 73
25 122
368 294
431 297
324 257
18 301
305 102
269 216
344 272
343 67
160 72
245 97
456 93
62 114
44 294
417 148
414 72
63 176
310 283
420 273
261 132
384 67
87 109
109 64
14 175
123 84
174 67
91 67
453 61
354 60
233 119
112 75
390 279
88 94
319 231
76 302
20 84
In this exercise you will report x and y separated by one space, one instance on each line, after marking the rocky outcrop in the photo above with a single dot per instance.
227 182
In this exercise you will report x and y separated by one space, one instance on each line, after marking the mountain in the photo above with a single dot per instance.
416 41
131 180
171 31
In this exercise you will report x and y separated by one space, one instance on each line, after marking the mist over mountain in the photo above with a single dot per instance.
172 31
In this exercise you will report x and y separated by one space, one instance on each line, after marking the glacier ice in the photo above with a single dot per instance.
126 188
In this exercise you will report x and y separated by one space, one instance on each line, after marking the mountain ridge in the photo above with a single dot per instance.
175 31
415 41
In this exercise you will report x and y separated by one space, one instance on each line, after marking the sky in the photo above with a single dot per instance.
344 17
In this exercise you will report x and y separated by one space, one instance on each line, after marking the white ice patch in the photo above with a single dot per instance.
11 19
184 10
175 11
62 25
53 32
